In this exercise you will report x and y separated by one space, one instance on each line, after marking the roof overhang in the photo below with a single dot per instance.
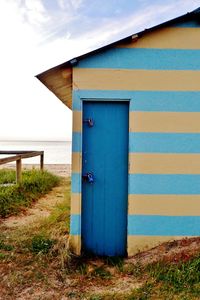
59 81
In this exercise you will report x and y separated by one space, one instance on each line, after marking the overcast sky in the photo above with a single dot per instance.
39 34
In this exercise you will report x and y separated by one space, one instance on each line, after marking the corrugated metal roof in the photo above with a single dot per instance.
59 78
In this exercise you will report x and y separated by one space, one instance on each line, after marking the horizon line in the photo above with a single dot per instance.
19 140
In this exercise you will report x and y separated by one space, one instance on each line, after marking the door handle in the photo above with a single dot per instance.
89 121
88 177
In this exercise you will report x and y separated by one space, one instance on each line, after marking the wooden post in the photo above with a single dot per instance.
42 162
18 170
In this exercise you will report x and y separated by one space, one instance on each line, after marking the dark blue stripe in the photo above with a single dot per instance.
146 59
76 141
76 183
164 142
75 224
188 24
163 225
145 100
164 184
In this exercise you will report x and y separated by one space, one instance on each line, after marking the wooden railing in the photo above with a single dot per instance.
18 156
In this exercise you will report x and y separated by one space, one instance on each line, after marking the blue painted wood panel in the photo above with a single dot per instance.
146 100
147 59
164 225
105 153
156 142
162 184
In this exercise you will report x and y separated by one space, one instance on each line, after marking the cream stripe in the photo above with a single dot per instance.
76 162
168 38
162 163
77 121
165 205
109 79
137 243
165 122
75 204
75 244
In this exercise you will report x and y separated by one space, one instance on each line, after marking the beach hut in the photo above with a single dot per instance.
136 139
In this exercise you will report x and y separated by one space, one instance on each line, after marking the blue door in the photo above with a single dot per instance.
105 177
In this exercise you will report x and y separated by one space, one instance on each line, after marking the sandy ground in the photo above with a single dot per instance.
57 169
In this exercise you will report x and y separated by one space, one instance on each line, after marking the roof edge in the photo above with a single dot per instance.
71 62
43 77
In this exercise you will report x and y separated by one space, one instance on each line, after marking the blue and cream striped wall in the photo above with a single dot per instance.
160 76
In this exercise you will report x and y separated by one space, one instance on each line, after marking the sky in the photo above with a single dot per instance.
36 35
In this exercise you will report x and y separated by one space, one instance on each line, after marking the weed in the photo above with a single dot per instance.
5 247
96 297
143 293
41 244
83 269
101 272
2 256
117 262
137 270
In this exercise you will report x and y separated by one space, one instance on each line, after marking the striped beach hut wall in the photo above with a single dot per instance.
136 139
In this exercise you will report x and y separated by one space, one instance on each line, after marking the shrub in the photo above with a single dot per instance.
35 183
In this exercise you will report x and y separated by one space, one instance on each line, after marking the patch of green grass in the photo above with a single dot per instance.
101 272
41 244
5 247
179 277
2 256
143 293
136 270
35 183
7 176
96 297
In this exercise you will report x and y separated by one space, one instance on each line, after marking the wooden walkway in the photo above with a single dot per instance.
18 156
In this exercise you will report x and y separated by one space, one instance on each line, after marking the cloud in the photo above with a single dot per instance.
40 114
34 12
70 4
77 3
102 32
35 37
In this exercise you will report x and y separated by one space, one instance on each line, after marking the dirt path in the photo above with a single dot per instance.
40 209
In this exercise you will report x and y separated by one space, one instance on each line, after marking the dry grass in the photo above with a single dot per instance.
35 263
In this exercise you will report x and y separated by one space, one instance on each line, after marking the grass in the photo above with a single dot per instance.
30 254
7 176
35 259
41 244
180 278
15 197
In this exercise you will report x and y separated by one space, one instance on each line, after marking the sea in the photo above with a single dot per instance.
55 152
